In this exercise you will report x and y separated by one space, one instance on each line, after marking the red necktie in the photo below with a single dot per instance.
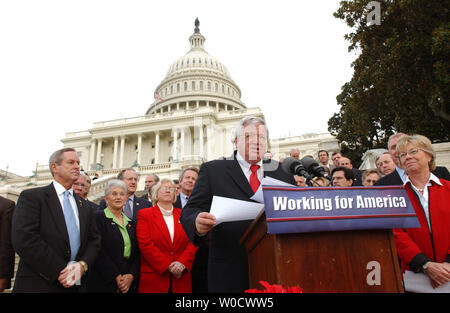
254 181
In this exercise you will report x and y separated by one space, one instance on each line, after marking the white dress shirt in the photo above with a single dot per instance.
60 192
183 199
245 166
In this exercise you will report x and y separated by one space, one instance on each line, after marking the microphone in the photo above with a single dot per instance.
295 167
313 167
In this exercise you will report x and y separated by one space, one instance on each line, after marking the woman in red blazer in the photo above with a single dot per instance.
166 252
425 249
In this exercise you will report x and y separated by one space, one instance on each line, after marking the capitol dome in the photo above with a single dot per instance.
195 80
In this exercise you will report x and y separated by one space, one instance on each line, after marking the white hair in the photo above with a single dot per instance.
115 183
248 120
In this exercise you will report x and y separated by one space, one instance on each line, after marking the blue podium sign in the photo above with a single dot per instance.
306 209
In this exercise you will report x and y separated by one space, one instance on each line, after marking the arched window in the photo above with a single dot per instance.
201 85
193 85
209 86
185 86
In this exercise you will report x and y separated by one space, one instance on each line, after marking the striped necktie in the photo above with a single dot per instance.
127 209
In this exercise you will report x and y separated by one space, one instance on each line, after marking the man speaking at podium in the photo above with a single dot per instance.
236 177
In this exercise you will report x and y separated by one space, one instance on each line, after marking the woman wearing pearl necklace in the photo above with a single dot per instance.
166 252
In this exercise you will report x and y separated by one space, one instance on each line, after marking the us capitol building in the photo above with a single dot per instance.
192 120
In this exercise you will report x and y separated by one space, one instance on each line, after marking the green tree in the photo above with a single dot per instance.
401 75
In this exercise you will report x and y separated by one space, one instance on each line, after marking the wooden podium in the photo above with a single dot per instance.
323 261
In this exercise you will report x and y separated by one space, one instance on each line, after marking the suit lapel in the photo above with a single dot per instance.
57 211
235 172
82 217
136 206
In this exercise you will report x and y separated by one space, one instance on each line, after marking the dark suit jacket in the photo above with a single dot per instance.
227 261
357 180
393 179
40 238
199 270
138 204
110 261
177 203
93 205
6 250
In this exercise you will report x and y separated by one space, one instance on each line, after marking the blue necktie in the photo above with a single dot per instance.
71 224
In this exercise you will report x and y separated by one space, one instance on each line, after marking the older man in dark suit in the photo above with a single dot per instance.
6 251
51 227
236 177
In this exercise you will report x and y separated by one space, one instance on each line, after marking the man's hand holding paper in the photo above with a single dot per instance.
229 210
204 222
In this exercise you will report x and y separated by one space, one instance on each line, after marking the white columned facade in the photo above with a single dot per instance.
115 151
182 131
122 150
200 133
209 134
99 150
174 145
157 147
139 147
92 153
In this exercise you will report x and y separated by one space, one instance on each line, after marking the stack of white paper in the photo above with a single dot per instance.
419 282
230 210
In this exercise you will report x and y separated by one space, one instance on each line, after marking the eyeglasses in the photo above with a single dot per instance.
165 188
411 152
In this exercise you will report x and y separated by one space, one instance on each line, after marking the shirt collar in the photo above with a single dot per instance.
60 188
244 163
109 214
131 198
432 178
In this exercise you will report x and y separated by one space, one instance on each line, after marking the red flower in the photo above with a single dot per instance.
275 289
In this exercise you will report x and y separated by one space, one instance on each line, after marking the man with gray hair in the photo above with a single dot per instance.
79 187
150 180
294 153
54 232
237 177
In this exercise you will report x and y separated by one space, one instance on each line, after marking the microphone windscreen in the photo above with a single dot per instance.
288 165
309 163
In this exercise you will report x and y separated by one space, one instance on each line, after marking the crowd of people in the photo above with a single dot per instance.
166 241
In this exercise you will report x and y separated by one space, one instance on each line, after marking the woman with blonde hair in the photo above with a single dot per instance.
425 249
166 252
